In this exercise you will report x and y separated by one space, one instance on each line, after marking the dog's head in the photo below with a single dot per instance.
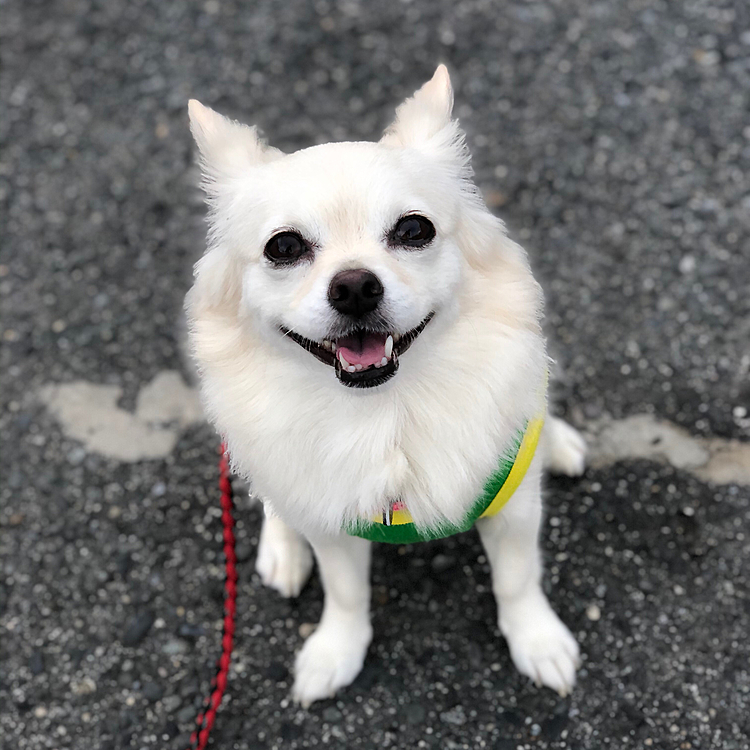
346 249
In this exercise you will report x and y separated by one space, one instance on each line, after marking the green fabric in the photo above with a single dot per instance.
408 533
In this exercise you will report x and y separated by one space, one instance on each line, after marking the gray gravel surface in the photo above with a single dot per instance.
615 139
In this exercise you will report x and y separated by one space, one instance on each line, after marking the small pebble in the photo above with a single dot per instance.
190 632
332 714
36 663
593 612
455 716
187 714
173 647
441 563
137 627
152 692
86 686
171 703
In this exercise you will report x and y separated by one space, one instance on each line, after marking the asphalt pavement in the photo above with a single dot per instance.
613 137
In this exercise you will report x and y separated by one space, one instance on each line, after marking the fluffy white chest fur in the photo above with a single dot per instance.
365 331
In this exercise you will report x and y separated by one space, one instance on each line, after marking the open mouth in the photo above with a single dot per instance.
363 358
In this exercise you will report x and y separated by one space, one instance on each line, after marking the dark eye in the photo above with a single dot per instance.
413 231
286 248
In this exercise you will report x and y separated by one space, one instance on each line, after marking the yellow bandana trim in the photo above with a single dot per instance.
521 465
512 482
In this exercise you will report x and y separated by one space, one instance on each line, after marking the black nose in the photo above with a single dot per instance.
356 292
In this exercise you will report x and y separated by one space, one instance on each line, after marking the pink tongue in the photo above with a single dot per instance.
365 350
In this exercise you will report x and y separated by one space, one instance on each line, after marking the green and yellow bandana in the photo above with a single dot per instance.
395 526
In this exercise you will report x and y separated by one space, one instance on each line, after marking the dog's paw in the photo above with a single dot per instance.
284 558
566 449
541 647
330 659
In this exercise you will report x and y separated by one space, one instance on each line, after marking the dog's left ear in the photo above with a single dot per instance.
227 147
423 116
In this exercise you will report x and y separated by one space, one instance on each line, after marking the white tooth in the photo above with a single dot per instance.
352 368
388 347
357 367
333 346
397 337
327 344
344 363
384 361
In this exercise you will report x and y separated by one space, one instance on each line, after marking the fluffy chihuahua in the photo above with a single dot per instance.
369 345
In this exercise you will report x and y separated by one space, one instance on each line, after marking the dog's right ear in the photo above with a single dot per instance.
424 122
425 114
227 148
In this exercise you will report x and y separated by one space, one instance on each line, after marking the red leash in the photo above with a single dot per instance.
206 718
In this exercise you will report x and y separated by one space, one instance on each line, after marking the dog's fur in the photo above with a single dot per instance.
320 455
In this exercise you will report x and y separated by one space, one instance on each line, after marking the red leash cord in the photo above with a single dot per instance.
206 718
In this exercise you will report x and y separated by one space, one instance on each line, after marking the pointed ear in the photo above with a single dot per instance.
424 115
226 147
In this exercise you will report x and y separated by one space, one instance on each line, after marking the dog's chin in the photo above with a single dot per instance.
370 377
363 358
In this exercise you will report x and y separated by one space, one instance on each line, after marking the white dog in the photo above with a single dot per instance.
369 344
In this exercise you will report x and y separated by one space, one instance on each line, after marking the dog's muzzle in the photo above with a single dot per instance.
363 358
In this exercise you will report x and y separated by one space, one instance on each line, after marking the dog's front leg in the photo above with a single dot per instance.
333 655
540 645
284 561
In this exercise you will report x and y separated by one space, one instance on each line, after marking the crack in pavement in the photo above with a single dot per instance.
716 460
88 412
